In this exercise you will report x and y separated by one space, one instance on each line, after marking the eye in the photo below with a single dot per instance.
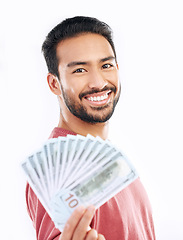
79 70
107 65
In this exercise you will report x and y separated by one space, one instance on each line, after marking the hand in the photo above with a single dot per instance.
77 226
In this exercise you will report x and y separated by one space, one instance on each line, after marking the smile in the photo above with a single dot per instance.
99 98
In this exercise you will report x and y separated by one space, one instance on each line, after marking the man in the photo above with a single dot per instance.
83 73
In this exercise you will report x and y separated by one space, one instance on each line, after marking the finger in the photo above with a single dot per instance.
92 235
101 237
82 228
72 223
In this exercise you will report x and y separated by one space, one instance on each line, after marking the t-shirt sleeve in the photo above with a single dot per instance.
44 226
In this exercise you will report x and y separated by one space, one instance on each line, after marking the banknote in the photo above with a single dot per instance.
75 170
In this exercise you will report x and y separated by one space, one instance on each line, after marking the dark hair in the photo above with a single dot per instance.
68 28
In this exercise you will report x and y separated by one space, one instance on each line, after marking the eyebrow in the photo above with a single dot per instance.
107 58
75 63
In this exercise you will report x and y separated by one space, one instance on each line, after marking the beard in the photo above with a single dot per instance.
99 114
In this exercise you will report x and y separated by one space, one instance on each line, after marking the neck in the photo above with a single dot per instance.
78 126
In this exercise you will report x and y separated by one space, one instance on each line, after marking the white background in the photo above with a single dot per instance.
147 124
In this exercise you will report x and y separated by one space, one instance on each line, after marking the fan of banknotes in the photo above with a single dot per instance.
75 170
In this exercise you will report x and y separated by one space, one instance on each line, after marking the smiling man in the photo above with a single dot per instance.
83 74
87 84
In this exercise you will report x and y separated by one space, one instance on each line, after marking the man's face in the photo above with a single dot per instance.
88 75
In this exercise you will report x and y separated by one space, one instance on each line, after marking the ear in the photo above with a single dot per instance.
117 65
53 84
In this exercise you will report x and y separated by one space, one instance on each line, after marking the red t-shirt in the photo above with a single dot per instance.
126 216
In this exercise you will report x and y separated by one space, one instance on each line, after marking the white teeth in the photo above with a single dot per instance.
99 98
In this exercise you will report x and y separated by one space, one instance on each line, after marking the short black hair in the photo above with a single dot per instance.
68 28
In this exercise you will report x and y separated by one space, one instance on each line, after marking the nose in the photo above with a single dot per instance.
96 80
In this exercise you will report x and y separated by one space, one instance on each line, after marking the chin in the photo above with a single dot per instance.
96 118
